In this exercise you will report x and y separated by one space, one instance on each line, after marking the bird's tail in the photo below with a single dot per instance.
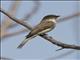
24 42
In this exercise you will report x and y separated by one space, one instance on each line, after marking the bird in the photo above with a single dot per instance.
47 24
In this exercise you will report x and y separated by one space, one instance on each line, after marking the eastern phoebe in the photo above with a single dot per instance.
46 25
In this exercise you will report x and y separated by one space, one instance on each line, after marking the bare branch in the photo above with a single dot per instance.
45 36
7 22
63 19
14 19
61 55
58 43
26 17
4 58
68 17
14 33
33 11
12 11
29 15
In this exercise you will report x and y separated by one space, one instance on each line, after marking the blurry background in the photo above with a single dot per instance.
67 30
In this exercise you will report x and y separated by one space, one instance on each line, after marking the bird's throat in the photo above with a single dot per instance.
52 20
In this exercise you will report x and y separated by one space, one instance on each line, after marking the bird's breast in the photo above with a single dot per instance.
52 20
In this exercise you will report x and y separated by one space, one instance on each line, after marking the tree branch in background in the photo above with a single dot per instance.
30 14
35 9
64 54
59 21
7 22
68 17
14 33
4 58
45 36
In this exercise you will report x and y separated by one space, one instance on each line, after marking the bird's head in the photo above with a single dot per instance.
50 17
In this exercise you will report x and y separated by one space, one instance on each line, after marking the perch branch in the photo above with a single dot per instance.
12 25
45 36
59 20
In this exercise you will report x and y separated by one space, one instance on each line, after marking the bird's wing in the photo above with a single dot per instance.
41 27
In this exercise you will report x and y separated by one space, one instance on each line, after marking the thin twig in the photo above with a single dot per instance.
14 33
4 58
58 43
59 21
33 11
45 36
68 17
61 55
7 22
12 25
29 15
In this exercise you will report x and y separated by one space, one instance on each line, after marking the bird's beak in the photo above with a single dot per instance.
58 16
